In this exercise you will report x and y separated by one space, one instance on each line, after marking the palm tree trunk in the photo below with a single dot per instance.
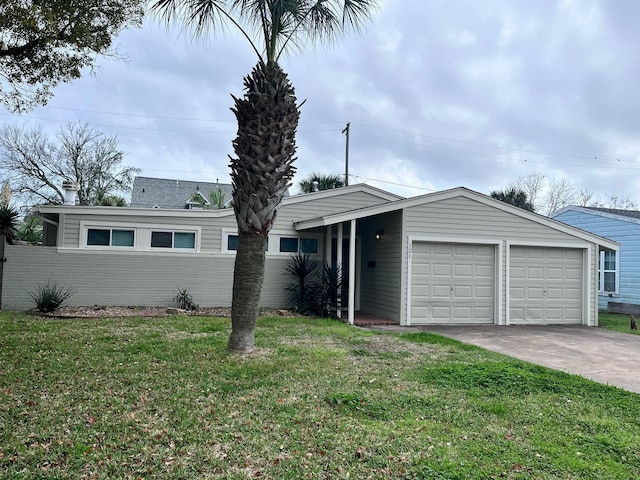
261 173
247 284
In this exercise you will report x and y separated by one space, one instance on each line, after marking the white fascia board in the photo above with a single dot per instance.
134 211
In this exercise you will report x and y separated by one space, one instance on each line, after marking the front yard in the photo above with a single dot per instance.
160 398
616 322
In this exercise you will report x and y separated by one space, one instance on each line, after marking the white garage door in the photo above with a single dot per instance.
545 285
452 283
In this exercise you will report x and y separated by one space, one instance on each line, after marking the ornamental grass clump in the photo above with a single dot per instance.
49 296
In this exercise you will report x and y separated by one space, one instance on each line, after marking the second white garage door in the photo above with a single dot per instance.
545 285
452 283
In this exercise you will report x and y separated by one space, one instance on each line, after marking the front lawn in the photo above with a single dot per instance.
159 398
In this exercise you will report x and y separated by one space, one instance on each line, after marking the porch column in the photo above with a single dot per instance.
352 273
327 242
339 265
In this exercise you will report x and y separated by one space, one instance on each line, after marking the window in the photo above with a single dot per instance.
295 245
608 272
181 240
288 245
108 237
232 243
308 245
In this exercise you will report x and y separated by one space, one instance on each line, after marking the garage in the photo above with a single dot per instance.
545 285
452 283
458 257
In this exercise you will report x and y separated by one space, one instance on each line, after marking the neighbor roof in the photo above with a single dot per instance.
632 216
616 211
171 193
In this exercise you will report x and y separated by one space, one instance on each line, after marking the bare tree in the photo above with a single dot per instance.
38 165
549 195
560 193
621 203
532 185
586 198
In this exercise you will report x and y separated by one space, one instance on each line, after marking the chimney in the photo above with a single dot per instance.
70 192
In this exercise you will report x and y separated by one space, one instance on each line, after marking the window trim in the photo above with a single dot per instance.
173 231
602 271
84 236
141 236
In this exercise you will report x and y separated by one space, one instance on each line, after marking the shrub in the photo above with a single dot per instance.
315 288
302 268
8 222
324 291
184 300
49 296
30 230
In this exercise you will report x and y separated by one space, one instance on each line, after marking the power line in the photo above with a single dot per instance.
475 144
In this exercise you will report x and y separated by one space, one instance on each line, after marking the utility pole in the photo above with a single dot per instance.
346 155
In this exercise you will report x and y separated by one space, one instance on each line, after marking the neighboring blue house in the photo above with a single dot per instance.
619 276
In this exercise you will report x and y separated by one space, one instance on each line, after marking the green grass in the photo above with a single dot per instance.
160 398
616 322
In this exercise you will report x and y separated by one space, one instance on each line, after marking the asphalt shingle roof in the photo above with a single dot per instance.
171 193
616 211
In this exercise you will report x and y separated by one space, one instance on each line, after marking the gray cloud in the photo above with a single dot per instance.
439 94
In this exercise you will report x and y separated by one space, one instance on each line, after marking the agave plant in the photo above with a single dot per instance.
30 230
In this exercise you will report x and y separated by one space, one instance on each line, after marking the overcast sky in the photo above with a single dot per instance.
439 93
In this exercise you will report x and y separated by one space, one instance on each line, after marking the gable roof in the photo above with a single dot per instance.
335 192
171 193
446 194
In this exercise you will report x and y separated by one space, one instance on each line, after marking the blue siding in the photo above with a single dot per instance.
627 234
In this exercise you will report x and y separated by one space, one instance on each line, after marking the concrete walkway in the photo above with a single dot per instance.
607 357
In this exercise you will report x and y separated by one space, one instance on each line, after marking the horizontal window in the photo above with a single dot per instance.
232 243
167 239
298 245
107 237
309 245
288 245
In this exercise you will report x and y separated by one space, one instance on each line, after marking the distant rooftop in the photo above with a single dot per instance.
616 211
173 193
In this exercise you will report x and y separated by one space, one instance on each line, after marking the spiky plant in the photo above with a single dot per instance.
8 222
302 269
267 120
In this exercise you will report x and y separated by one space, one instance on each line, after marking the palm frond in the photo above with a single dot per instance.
357 13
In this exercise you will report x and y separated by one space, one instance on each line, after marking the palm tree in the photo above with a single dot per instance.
267 117
317 182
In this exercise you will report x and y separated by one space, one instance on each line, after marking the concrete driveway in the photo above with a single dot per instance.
607 357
